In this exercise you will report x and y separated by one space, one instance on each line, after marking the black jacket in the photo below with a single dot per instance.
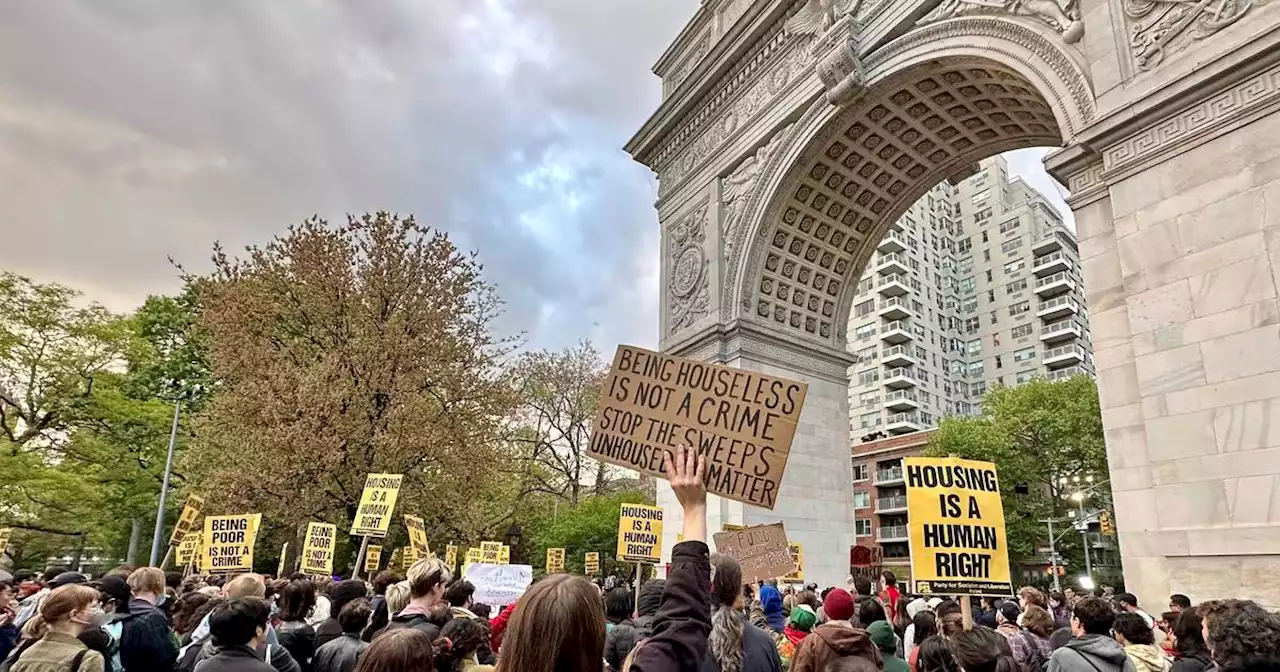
234 659
417 622
340 655
683 621
618 643
299 639
759 653
327 631
1197 663
145 642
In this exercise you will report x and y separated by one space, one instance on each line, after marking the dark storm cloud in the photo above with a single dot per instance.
133 130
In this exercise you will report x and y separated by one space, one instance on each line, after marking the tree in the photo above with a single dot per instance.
590 526
1037 434
340 350
551 430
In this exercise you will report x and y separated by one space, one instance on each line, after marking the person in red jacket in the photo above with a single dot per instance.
890 595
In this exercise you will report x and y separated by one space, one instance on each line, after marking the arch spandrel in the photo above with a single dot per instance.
937 99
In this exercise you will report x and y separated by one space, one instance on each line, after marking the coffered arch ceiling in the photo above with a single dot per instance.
864 168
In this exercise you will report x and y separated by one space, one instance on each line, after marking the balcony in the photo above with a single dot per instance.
893 242
1069 372
1064 356
894 504
898 355
1049 243
1060 331
1057 308
892 533
1055 284
894 308
890 476
893 285
892 263
898 331
900 377
1051 263
901 400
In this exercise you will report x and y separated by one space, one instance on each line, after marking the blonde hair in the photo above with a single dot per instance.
57 607
146 580
246 585
397 597
425 575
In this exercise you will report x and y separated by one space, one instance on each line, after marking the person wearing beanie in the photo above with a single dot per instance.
883 636
838 605
799 624
835 640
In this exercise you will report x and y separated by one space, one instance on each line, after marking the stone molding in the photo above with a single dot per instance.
685 67
1213 116
688 268
1064 19
1160 27
1086 186
739 184
721 343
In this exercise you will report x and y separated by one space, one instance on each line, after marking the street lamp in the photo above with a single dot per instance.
1083 526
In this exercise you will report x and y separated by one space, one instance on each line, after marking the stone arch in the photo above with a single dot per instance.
937 100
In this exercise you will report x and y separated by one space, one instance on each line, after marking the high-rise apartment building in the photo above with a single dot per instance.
977 285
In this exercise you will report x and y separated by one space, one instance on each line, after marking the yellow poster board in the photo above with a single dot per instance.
408 556
797 554
490 552
189 549
372 559
451 556
228 542
377 502
188 520
955 525
555 560
417 534
318 548
640 533
592 562
504 555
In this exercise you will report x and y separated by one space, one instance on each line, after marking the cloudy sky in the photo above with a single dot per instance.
132 131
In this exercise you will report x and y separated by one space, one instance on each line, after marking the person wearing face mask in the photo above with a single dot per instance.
55 645
239 628
146 642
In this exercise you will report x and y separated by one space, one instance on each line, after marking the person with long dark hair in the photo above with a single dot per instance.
983 650
1188 642
297 599
934 655
734 644
923 626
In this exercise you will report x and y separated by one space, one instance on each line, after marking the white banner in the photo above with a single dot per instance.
499 585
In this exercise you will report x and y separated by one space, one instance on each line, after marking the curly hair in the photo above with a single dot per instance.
1241 634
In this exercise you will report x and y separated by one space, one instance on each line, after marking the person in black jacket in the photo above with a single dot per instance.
647 606
145 639
734 644
340 594
427 611
1193 654
238 627
622 633
297 598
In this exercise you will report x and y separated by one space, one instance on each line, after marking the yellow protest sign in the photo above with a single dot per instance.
417 534
318 548
592 562
397 558
955 525
5 534
797 555
372 559
409 556
378 500
189 549
504 555
640 533
188 520
742 421
555 560
228 542
490 552
451 556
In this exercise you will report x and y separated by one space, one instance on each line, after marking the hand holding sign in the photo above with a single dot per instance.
686 470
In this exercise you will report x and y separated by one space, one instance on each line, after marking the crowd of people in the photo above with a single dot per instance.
701 618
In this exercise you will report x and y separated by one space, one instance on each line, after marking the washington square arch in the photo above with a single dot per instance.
792 134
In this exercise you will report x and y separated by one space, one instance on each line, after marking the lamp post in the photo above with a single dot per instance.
1083 526
164 487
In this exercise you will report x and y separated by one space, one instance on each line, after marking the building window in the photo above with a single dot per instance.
859 472
980 198
982 216
984 236
861 499
868 377
1023 331
1016 286
1015 266
967 286
1024 376
869 420
864 308
974 347
864 286
966 265
971 305
862 527
975 368
1011 245
978 389
865 332
1020 307
964 246
1010 225
1024 355
971 325
868 399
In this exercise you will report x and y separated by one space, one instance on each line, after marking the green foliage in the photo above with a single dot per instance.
592 525
1037 434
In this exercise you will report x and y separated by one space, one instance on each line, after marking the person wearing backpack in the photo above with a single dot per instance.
55 646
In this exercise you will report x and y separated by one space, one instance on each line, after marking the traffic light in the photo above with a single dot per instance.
1104 521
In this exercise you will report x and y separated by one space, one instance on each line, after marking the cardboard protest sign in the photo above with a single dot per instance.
188 549
490 552
592 562
318 547
188 520
555 560
742 421
955 525
797 556
372 559
451 556
417 534
640 533
228 542
499 585
762 551
284 552
378 500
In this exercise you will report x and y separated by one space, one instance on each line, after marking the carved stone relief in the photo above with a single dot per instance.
739 184
1157 27
1061 15
688 279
